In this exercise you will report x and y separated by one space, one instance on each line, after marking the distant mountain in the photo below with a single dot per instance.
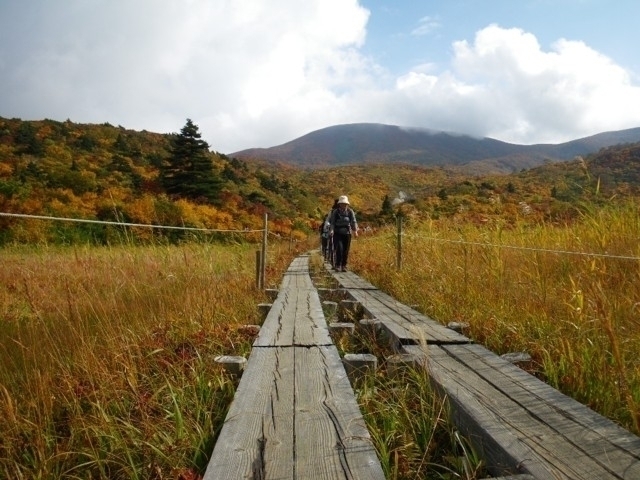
360 143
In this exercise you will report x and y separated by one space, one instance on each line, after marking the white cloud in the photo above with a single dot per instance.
253 73
505 86
426 25
235 68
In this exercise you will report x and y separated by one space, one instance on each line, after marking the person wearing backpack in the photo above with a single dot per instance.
343 225
324 236
330 252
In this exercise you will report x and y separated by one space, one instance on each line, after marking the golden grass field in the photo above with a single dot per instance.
107 356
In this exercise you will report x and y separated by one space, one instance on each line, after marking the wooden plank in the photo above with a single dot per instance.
435 332
298 268
310 326
332 440
513 425
613 447
408 325
498 429
294 416
257 438
274 331
296 316
351 281
295 320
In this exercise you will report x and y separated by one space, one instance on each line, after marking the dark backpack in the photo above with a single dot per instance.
342 221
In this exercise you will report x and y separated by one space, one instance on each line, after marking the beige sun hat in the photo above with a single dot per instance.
343 199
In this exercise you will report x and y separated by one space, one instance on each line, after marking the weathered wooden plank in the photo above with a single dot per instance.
296 316
274 331
299 268
332 440
434 331
406 332
352 281
614 448
310 326
294 416
498 429
298 321
257 438
408 325
411 325
517 429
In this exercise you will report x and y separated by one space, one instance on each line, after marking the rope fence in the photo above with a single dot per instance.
261 259
532 249
261 255
401 236
125 224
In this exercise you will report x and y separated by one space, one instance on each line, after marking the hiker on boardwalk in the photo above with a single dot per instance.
324 236
329 253
343 225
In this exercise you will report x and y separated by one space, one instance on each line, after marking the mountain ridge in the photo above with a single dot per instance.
357 143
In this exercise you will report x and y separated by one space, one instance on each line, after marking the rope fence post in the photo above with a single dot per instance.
263 257
258 268
399 242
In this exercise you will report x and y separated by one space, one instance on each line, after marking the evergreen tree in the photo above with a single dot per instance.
27 138
121 145
387 208
188 173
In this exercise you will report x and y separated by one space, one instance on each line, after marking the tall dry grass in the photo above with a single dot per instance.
523 287
107 356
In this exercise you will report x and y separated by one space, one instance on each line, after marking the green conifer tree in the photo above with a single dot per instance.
188 173
387 208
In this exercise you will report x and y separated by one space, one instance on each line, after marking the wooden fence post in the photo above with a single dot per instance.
263 257
258 268
399 242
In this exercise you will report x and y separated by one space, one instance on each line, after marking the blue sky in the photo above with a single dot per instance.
259 73
404 33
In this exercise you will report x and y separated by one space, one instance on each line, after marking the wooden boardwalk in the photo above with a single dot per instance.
294 414
517 423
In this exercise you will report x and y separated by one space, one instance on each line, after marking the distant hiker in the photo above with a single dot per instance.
343 224
330 252
325 226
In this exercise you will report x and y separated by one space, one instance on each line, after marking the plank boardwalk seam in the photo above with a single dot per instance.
517 423
294 414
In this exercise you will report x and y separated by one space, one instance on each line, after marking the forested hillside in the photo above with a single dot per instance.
103 172
110 173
